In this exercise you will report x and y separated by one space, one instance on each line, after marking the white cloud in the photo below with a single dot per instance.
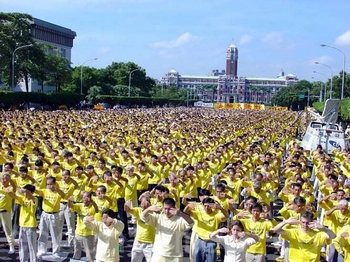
181 40
273 38
322 59
245 39
103 50
343 39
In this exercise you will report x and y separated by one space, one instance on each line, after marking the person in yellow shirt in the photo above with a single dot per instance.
117 173
342 243
339 217
49 220
131 186
6 186
305 240
67 185
208 220
108 231
27 222
257 192
21 180
261 227
145 234
39 174
102 201
170 225
84 236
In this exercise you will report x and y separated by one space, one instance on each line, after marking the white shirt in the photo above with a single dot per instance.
169 233
235 251
107 249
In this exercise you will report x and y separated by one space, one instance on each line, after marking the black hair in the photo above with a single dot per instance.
257 206
30 188
109 212
169 201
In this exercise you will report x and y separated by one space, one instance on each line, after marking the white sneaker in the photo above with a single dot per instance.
11 251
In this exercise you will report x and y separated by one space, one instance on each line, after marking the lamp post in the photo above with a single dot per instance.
130 80
325 87
331 90
320 97
13 64
81 74
343 77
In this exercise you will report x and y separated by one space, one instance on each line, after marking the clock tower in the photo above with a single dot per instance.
231 60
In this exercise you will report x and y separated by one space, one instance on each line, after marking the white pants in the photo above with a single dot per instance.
158 258
6 222
141 250
66 215
194 238
48 222
255 257
28 244
88 242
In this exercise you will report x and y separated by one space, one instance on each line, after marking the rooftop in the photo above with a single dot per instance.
61 29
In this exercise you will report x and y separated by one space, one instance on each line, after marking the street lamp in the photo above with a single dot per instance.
81 74
331 90
320 97
343 77
13 64
130 80
325 87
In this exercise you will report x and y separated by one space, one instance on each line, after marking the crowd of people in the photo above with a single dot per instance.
87 176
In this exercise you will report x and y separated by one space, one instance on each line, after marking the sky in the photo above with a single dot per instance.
192 36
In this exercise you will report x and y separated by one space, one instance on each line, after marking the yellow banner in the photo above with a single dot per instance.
248 106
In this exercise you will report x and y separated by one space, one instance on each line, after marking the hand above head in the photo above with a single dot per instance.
315 225
224 230
293 221
89 218
154 208
175 211
241 234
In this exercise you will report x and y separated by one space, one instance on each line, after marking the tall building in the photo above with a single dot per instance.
228 86
60 38
232 61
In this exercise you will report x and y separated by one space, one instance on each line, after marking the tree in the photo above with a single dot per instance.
54 70
119 73
93 92
15 31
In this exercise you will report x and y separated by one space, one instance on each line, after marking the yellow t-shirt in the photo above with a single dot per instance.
5 200
40 179
130 189
112 193
67 189
305 246
338 220
20 182
102 205
51 200
342 244
83 211
207 223
27 217
259 228
145 233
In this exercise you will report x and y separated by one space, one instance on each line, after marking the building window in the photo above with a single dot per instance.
63 52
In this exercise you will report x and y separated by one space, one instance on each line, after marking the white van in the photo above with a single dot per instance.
323 130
